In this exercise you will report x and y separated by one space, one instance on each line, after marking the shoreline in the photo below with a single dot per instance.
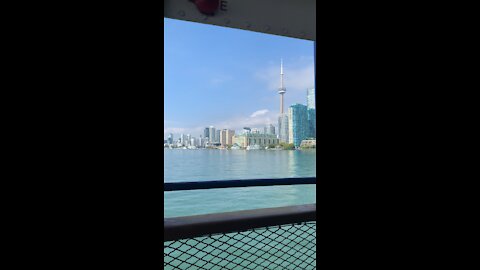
179 148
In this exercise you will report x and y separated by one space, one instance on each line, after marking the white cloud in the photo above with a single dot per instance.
259 113
257 119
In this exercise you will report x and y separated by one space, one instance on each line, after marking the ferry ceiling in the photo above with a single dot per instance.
289 18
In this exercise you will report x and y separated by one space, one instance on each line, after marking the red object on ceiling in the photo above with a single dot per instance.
207 7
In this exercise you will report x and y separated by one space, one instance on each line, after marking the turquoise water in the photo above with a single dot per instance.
212 164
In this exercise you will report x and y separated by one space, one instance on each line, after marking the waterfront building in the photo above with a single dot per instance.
311 113
298 124
311 143
226 137
230 134
211 133
251 139
312 123
182 139
170 138
217 136
311 98
223 137
206 132
269 129
283 133
200 141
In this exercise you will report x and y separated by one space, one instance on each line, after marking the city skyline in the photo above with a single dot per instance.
201 89
292 127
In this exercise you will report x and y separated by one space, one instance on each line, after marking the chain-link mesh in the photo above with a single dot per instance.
291 246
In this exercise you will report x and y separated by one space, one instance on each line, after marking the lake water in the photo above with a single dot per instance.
212 164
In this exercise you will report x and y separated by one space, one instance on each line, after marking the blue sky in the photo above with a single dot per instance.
228 78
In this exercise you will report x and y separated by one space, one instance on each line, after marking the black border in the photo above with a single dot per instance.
89 95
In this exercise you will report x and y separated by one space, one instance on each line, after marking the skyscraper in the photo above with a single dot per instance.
217 136
283 127
230 134
170 138
223 137
312 123
206 133
211 132
183 140
311 98
298 124
271 129
311 113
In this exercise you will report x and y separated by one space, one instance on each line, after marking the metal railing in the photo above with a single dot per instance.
270 238
237 183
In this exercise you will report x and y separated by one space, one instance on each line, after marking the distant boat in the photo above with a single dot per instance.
253 147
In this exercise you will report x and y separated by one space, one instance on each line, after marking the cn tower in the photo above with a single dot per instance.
282 88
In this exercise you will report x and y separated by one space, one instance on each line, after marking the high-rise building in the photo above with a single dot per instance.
223 137
283 133
170 138
311 98
211 132
182 139
312 123
217 136
269 129
226 137
298 124
230 134
311 113
206 132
